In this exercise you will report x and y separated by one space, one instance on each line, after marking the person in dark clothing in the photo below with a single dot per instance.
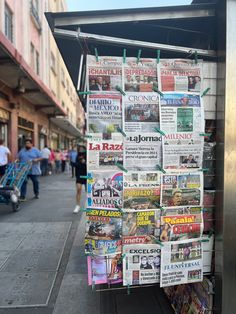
80 170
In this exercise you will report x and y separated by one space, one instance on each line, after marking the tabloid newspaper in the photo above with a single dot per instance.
140 227
181 223
104 155
104 116
105 74
104 269
141 264
180 75
103 231
142 151
184 189
181 113
141 76
140 112
182 151
181 262
104 189
141 190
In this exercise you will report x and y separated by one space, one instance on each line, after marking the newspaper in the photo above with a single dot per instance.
104 116
141 190
139 76
140 112
104 269
142 151
181 262
141 264
105 74
181 113
180 75
140 227
104 189
103 232
182 189
183 151
181 223
104 155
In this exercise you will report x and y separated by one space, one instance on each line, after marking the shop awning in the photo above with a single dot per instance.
17 74
66 125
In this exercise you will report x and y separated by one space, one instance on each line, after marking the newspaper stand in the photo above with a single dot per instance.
11 182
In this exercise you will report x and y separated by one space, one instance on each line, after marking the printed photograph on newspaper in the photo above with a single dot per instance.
140 112
105 74
182 189
140 227
104 113
141 76
141 190
181 113
104 155
181 262
180 75
141 264
104 269
182 151
142 152
181 223
103 231
104 189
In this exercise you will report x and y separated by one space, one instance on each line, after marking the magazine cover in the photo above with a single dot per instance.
140 227
105 74
104 155
182 189
181 262
180 75
181 223
103 232
140 112
141 264
141 76
105 189
104 116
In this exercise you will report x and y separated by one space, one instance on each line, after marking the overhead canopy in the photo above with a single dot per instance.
66 125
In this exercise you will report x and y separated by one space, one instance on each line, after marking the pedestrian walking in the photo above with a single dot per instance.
64 157
51 162
30 154
72 159
57 161
5 157
45 160
80 170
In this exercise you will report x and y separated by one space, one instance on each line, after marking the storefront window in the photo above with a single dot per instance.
3 132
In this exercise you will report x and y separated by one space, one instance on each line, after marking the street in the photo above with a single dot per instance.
42 262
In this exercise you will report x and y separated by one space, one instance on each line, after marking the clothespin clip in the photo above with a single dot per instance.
121 167
159 242
124 55
159 131
139 55
161 208
211 232
88 136
204 169
158 56
155 89
205 240
123 256
195 57
205 134
85 210
157 204
118 207
205 92
85 93
86 177
119 89
160 169
89 254
96 54
121 131
128 289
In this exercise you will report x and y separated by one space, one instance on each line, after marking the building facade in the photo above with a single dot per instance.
37 96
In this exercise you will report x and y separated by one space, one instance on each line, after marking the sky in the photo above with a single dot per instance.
84 5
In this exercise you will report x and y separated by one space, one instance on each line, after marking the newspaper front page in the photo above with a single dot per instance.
139 77
180 75
141 264
104 116
104 189
181 262
104 75
140 112
104 155
184 189
142 151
